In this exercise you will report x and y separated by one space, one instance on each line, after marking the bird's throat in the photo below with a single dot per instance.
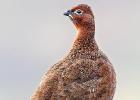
85 39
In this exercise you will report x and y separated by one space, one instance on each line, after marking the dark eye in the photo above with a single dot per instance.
78 12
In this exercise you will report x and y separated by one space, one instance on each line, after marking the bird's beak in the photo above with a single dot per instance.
68 13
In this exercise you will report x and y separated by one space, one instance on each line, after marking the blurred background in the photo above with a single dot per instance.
34 35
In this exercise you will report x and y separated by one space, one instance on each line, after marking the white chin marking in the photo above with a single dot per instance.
71 17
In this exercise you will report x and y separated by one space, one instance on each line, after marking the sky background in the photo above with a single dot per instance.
34 35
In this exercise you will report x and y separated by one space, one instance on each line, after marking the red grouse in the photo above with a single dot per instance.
85 73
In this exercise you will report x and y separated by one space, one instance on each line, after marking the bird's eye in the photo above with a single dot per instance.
78 12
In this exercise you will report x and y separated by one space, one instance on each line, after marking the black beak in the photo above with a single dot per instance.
68 13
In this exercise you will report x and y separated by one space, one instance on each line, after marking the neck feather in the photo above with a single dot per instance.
85 39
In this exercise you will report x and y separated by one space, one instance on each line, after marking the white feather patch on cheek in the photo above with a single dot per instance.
70 16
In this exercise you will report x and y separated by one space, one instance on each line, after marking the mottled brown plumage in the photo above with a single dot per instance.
85 73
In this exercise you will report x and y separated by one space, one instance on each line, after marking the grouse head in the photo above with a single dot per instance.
81 16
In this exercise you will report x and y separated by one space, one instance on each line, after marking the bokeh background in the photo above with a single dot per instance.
34 35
